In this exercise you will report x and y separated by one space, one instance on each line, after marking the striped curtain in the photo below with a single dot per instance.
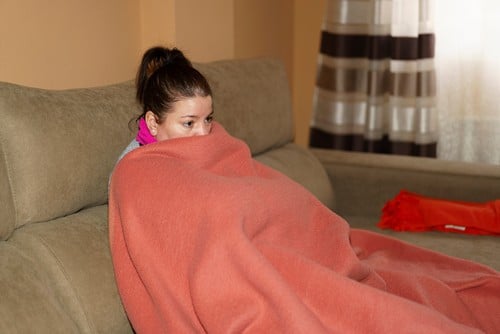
376 84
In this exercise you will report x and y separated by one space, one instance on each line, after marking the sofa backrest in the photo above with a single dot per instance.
58 147
252 101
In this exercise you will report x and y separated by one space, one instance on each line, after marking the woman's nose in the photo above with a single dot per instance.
202 129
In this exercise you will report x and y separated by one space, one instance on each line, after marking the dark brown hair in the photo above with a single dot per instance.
166 76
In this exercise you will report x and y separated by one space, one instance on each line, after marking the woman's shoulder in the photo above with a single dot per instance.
132 146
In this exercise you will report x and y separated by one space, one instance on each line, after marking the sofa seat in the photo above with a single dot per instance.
481 249
364 182
61 271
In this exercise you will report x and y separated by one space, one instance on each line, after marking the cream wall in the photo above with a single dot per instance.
66 44
205 29
265 28
157 23
308 18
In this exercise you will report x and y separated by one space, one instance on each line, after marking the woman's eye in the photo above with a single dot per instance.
188 124
209 119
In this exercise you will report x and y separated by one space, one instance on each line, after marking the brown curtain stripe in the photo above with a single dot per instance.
354 46
376 46
357 143
376 83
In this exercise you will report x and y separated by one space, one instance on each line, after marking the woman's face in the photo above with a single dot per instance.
191 116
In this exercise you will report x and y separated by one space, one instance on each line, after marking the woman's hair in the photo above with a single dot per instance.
166 76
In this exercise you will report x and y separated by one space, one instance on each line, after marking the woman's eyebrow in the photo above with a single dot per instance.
196 116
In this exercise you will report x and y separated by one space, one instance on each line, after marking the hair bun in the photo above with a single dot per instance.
176 57
154 59
157 57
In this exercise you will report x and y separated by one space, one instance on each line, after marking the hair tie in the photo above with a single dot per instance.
144 137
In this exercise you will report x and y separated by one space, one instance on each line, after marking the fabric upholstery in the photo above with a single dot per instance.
364 182
61 145
7 210
71 256
82 131
252 91
382 176
481 249
292 161
22 283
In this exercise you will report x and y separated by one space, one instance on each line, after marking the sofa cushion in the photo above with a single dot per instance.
58 148
368 180
303 167
27 304
71 259
481 249
252 100
62 145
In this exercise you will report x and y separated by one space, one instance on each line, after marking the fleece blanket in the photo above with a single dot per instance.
409 211
206 239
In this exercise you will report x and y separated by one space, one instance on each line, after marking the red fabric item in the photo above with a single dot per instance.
204 239
413 212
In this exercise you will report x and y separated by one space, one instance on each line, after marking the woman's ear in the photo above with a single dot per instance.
151 122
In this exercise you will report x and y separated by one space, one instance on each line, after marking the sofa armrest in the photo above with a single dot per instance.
364 182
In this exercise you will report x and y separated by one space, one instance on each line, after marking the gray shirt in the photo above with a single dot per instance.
132 146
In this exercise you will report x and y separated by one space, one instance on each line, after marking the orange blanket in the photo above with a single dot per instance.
205 239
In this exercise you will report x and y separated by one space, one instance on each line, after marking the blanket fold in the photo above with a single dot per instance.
206 239
409 211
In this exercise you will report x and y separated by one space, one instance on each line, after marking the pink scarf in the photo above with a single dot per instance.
144 137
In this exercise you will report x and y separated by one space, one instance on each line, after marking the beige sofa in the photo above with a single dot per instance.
58 148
